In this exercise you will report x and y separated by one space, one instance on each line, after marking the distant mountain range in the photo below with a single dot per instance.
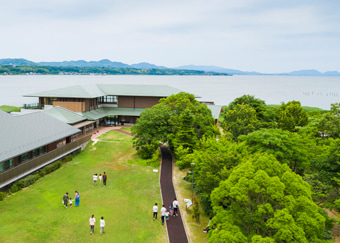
144 65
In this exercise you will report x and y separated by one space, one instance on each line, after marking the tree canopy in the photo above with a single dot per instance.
264 201
178 120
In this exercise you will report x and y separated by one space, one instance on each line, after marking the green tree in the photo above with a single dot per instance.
258 105
264 201
291 115
288 148
214 161
240 120
169 123
330 122
151 130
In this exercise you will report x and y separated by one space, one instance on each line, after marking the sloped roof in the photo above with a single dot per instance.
21 134
64 115
215 110
98 90
112 111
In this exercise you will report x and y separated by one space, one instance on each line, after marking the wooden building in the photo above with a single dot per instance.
31 141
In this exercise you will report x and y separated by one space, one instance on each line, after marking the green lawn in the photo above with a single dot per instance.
7 108
36 213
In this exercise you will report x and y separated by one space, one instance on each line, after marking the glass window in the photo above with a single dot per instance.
6 165
42 150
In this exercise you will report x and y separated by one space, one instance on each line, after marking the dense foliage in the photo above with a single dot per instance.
178 120
265 178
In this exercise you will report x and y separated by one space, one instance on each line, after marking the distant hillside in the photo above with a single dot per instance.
210 70
80 63
311 72
216 69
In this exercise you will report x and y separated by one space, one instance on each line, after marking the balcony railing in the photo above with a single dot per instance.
41 160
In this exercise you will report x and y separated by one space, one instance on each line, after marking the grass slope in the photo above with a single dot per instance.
36 213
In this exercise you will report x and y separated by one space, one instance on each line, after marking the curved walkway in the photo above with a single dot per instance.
175 226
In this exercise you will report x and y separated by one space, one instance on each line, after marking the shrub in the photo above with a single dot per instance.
42 172
37 176
52 167
14 188
2 196
29 180
20 184
68 158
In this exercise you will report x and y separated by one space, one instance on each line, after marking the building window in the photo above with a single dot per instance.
6 165
108 99
42 150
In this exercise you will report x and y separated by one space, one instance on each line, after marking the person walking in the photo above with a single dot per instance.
77 199
95 178
100 178
176 206
163 213
92 223
65 198
102 226
70 201
104 179
155 211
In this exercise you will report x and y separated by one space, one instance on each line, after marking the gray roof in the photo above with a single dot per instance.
112 111
215 110
21 134
98 90
64 115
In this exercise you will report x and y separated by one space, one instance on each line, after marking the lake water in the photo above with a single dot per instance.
310 91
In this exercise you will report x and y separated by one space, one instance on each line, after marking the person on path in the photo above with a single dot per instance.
104 179
92 223
100 178
176 206
171 209
102 226
77 199
155 211
70 201
163 213
95 177
65 198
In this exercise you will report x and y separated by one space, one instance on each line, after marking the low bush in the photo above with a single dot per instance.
68 158
2 196
42 172
53 167
37 176
15 188
20 184
29 180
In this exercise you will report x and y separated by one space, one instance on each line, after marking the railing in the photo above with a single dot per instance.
34 163
31 106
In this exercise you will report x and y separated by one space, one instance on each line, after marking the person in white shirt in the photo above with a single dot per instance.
92 223
95 178
102 226
163 213
176 206
155 211
100 178
70 202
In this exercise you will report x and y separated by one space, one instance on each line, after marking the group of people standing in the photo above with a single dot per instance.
69 200
93 222
173 208
100 177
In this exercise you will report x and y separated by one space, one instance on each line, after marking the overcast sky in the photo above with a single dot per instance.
250 35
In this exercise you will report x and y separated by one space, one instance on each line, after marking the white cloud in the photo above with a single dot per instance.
260 35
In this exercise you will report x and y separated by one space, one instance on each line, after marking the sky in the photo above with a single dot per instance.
268 36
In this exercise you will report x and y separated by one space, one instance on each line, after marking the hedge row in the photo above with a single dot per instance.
31 179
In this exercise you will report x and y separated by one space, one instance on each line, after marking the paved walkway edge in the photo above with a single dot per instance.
175 226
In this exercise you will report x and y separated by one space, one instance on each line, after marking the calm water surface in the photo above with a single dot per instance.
310 91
